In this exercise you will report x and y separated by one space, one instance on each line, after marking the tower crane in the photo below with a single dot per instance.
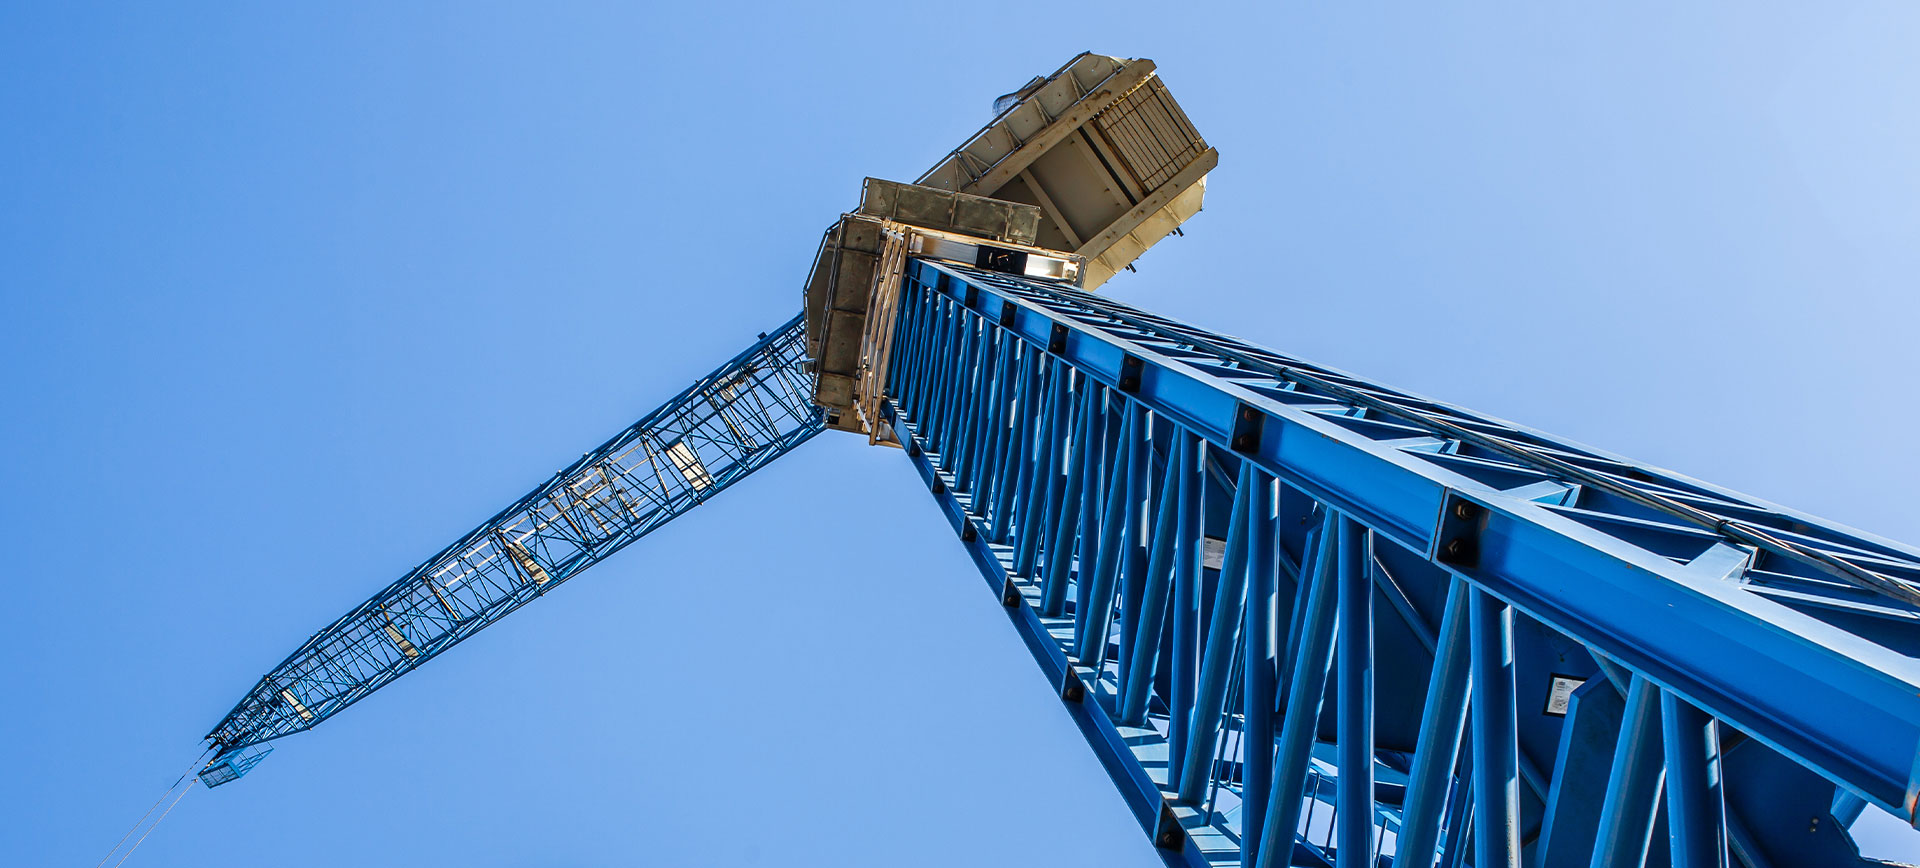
1302 618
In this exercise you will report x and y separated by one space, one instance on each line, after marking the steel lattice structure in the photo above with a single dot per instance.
728 424
1532 650
1398 549
1302 618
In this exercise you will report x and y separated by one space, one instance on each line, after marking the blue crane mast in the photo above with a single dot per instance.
1485 642
1302 618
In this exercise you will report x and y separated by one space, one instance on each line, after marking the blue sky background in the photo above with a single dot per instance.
292 297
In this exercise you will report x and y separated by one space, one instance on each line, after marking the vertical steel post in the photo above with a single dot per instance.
1187 568
1355 706
1257 693
973 397
932 362
1453 853
1053 599
957 350
1306 686
1633 786
1002 415
1042 488
1144 647
967 390
1098 616
922 394
1129 561
985 395
999 411
1441 723
989 411
1099 448
1016 447
1496 760
1696 812
943 361
934 375
1002 469
1216 659
1026 444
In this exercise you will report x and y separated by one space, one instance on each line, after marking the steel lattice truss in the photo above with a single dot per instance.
1127 484
728 424
1303 619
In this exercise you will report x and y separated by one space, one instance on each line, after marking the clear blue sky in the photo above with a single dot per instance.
291 298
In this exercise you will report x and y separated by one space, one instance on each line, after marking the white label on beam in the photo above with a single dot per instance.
1560 694
1213 552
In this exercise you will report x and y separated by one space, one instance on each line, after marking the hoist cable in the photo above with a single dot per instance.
194 766
156 822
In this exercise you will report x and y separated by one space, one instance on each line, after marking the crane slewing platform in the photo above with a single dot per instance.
1302 618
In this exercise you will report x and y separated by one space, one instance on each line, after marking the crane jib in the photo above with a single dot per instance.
728 424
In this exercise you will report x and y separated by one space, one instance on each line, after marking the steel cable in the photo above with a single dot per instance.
191 768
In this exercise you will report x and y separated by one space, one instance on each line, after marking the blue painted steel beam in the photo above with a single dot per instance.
1101 469
1696 811
1097 615
1442 721
1459 825
1135 537
1157 584
1582 763
1633 787
1306 686
1496 764
1569 555
1600 572
1066 517
1355 706
1259 668
1137 788
1186 602
1015 472
1217 657
1042 489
